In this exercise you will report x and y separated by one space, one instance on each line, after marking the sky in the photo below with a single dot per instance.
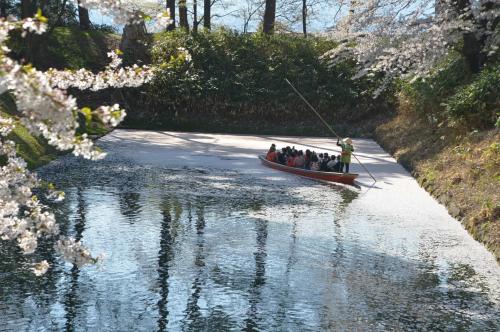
229 13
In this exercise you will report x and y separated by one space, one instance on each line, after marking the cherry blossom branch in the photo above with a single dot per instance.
47 109
404 39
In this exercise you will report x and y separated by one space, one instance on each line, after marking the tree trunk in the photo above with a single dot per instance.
471 48
134 44
439 7
487 25
3 8
183 15
171 9
352 10
269 16
83 16
471 52
195 16
26 8
304 17
61 13
207 15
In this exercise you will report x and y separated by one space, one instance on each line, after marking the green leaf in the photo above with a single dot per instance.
39 16
87 112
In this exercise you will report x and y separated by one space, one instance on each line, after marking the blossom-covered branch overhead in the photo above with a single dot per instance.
45 108
408 38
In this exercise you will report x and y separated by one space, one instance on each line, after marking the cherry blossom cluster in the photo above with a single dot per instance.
47 109
112 76
404 39
22 217
130 11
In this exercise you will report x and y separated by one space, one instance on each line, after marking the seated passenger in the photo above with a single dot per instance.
300 160
282 156
331 164
324 162
278 156
271 154
314 162
290 161
338 165
335 165
307 159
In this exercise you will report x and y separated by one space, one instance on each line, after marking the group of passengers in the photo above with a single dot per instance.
309 160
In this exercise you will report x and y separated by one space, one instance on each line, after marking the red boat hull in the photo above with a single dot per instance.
347 178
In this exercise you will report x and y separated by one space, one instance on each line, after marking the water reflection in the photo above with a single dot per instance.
165 256
130 205
251 322
292 259
193 317
216 250
71 299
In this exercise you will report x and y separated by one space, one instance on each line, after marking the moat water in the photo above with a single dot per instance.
223 248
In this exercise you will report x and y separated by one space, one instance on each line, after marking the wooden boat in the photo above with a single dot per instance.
347 178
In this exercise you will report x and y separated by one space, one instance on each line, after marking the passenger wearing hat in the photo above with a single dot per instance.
347 150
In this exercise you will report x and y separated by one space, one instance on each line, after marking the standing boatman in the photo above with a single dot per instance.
347 150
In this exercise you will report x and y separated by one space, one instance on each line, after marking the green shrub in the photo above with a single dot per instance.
427 94
477 104
252 68
240 78
452 95
65 48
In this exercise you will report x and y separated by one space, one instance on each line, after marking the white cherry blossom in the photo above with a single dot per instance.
406 38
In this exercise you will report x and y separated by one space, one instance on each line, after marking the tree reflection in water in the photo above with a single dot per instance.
252 321
165 257
130 205
193 315
284 298
71 299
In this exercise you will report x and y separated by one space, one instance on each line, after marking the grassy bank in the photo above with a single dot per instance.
446 133
34 150
461 172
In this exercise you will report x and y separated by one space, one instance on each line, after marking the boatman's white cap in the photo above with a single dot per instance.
348 140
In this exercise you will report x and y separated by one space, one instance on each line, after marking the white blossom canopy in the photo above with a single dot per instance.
408 38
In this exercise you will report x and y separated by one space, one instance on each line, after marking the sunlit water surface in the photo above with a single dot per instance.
192 249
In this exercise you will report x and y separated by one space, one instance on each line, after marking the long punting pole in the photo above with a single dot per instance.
326 124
